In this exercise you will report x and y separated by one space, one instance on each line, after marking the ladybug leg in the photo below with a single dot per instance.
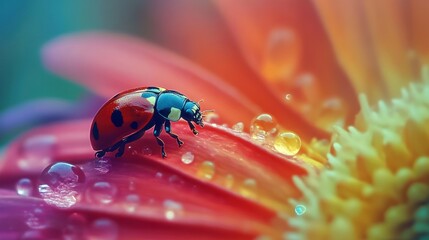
168 130
192 127
100 154
156 132
121 149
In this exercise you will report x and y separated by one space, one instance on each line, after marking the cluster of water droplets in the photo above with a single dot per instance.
264 129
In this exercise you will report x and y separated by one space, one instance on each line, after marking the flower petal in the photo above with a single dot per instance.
287 46
32 152
31 218
238 185
359 32
227 159
109 63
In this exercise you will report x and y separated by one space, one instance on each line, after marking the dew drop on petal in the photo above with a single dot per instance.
24 187
131 202
300 209
103 229
172 209
288 97
159 174
248 188
211 117
238 127
332 112
187 158
74 227
287 143
37 219
206 170
228 181
37 152
60 184
102 192
102 165
263 126
282 54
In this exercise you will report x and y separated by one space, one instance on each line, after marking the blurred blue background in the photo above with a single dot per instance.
25 26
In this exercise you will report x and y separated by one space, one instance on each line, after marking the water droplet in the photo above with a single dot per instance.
159 175
131 202
238 127
211 117
287 143
103 229
74 228
228 181
172 209
37 219
60 184
102 192
282 54
288 97
206 170
24 187
102 165
332 112
263 126
37 152
187 158
147 151
300 209
248 188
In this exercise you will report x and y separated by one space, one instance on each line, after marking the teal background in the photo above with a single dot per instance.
25 26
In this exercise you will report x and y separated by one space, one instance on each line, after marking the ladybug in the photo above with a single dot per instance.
126 117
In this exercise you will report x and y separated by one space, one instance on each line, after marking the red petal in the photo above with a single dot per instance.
109 63
204 200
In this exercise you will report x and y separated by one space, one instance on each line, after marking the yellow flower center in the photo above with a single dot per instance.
377 182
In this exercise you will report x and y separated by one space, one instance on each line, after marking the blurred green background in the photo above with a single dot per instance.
25 26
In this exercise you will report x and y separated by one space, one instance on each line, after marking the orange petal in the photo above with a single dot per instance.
285 43
109 63
373 44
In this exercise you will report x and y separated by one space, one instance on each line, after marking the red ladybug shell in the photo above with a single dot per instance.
123 115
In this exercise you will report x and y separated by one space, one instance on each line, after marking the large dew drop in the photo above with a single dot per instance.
263 126
60 184
287 143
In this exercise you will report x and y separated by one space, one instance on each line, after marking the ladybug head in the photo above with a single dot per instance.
191 112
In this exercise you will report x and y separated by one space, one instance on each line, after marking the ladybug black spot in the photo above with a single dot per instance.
95 132
117 118
134 125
